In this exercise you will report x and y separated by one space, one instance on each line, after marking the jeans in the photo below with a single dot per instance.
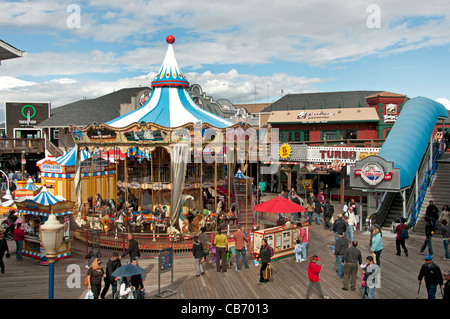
243 253
400 243
304 245
431 289
295 217
105 289
445 242
350 233
426 243
371 292
340 267
3 186
378 257
364 292
310 214
18 249
317 219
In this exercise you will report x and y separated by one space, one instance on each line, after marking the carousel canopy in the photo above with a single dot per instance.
45 198
240 175
69 159
170 104
30 185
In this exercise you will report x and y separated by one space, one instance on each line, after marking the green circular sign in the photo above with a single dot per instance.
28 105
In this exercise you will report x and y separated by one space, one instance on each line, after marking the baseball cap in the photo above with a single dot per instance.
428 257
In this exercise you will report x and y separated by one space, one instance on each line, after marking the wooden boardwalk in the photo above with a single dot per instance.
28 279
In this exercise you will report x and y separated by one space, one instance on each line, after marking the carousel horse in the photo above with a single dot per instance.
99 201
198 222
183 222
119 220
106 223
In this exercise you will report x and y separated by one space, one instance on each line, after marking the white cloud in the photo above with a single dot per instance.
445 102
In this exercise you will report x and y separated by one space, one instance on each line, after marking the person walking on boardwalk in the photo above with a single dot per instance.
3 248
95 275
429 232
339 226
339 252
197 252
240 241
203 238
377 245
402 234
221 243
19 234
328 213
372 271
433 276
264 255
445 231
352 259
314 269
133 248
112 264
446 295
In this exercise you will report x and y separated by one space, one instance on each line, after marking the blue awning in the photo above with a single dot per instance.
409 137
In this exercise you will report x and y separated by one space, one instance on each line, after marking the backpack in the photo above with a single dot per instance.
271 251
404 233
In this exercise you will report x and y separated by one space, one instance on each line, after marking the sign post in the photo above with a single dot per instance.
165 263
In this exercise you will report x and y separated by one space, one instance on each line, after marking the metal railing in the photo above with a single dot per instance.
17 145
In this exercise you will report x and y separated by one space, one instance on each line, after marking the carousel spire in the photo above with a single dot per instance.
170 74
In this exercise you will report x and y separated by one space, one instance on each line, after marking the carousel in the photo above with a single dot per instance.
173 165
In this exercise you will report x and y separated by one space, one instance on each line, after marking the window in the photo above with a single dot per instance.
329 135
56 134
294 136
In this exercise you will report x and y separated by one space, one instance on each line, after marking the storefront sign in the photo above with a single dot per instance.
285 151
323 154
376 173
51 168
314 115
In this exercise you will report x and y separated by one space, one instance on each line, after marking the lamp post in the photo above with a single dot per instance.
51 235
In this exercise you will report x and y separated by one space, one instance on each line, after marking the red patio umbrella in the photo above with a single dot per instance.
279 205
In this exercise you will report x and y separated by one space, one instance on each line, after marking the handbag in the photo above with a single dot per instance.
86 281
267 273
8 255
205 252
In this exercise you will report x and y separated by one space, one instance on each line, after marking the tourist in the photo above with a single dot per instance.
372 271
352 258
19 234
303 237
321 198
240 240
353 204
292 194
126 290
317 209
203 238
133 248
433 276
363 282
298 251
445 231
446 295
400 238
314 269
351 222
345 207
429 232
112 264
432 213
296 200
339 226
197 252
262 187
328 213
339 252
3 248
377 245
310 209
137 283
95 275
445 214
221 243
264 255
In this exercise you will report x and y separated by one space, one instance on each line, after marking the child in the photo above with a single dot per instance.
363 282
298 251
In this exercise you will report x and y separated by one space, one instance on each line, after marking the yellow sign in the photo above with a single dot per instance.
285 151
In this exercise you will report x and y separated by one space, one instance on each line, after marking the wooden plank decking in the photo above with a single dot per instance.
29 280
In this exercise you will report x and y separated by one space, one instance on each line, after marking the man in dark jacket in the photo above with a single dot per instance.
264 255
113 264
432 213
433 276
133 248
339 226
352 258
429 232
328 212
339 252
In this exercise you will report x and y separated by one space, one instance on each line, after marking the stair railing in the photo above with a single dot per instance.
427 181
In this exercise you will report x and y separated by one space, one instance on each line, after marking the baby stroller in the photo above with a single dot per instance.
7 226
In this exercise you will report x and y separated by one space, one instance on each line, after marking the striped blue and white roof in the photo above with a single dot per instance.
30 185
170 104
45 198
69 159
240 175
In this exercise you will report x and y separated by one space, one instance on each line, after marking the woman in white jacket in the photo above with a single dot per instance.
126 290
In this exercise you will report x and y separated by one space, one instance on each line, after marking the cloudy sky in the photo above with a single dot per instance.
245 51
